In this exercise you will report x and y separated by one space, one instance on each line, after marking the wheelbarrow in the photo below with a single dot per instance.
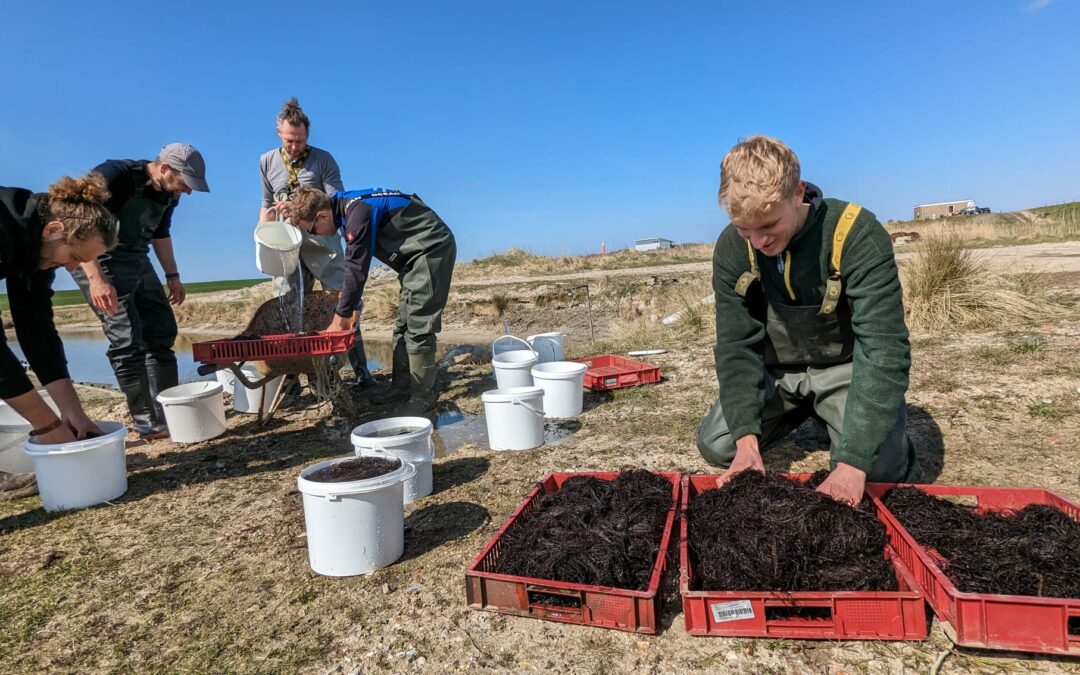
277 348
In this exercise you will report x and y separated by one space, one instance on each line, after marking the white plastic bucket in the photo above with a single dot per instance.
227 380
194 411
515 418
354 527
549 346
512 367
247 400
82 473
277 248
563 383
407 438
14 432
12 457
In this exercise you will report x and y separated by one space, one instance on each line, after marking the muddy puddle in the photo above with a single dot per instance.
454 429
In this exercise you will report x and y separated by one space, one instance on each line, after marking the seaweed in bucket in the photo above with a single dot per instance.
358 468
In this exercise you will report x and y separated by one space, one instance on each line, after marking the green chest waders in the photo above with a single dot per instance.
808 335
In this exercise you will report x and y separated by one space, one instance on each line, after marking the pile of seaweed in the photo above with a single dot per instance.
591 531
1033 551
766 532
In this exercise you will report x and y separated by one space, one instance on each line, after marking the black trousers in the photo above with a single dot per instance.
141 336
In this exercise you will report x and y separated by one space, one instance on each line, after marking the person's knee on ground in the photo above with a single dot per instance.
714 440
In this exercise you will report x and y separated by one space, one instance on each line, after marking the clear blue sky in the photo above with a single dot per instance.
553 126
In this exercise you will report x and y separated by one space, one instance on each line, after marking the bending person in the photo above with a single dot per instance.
405 234
809 321
67 226
123 288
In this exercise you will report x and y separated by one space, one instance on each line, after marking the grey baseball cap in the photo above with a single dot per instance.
189 162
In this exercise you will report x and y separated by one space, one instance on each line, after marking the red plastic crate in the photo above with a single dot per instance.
602 606
846 615
614 372
986 620
273 347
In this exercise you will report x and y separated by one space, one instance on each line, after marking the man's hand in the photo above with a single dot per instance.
845 484
103 295
339 323
61 434
177 292
81 426
747 458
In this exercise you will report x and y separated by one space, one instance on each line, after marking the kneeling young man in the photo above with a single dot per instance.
809 321
405 234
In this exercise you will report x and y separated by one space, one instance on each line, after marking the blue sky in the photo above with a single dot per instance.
553 126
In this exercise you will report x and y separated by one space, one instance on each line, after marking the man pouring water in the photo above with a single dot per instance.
284 169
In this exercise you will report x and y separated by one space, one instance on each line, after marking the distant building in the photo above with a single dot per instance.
652 243
942 209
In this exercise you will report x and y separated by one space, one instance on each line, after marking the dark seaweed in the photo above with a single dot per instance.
765 532
591 531
360 468
1032 551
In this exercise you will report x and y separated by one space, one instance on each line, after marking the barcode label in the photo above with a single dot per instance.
732 611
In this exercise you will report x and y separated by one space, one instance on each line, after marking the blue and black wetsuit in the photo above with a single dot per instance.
404 233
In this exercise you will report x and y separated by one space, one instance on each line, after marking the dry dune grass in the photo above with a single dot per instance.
947 288
519 261
1052 223
235 309
694 319
381 303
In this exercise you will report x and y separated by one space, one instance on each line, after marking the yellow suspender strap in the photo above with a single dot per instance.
834 285
747 278
843 227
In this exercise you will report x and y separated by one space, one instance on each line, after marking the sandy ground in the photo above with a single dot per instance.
202 565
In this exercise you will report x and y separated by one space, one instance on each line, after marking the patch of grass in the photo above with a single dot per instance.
500 302
1027 344
994 356
381 304
603 651
1067 213
1051 412
938 381
947 288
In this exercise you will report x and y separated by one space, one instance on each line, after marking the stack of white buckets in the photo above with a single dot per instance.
534 383
358 526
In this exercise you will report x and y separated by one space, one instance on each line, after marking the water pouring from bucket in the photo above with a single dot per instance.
277 253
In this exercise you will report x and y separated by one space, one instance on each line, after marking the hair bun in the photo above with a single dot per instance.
91 188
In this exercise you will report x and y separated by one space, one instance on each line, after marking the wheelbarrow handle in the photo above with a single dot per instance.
208 369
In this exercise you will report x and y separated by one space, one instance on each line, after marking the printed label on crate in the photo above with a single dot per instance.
611 381
732 611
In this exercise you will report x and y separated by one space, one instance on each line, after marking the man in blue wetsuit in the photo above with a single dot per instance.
404 233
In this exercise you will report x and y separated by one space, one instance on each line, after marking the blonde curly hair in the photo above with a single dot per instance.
756 175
